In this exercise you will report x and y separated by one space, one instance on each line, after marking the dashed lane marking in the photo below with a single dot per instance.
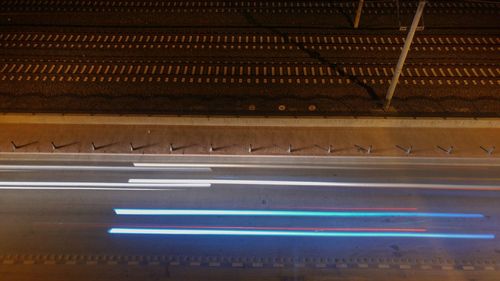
372 262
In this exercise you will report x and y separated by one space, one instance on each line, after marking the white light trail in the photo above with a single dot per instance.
172 168
183 165
82 188
103 184
239 182
317 184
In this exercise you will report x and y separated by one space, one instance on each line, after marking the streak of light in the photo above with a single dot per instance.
295 233
319 184
189 212
343 160
105 168
364 229
107 225
353 208
182 165
82 188
101 184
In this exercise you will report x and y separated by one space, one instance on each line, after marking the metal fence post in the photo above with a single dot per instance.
358 13
404 53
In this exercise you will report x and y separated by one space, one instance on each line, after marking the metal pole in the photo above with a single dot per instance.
404 53
358 13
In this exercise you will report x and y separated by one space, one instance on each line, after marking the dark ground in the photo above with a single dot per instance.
448 94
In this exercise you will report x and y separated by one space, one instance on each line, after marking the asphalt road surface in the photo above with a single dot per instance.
261 215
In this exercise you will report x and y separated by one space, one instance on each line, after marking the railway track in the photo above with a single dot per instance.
249 58
266 7
323 14
241 72
245 41
234 73
195 56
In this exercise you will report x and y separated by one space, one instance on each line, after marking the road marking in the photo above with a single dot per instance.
468 267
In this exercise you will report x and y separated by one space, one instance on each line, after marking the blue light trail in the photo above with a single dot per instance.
166 231
191 212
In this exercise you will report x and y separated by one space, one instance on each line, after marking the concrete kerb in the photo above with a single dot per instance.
59 133
355 122
246 160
